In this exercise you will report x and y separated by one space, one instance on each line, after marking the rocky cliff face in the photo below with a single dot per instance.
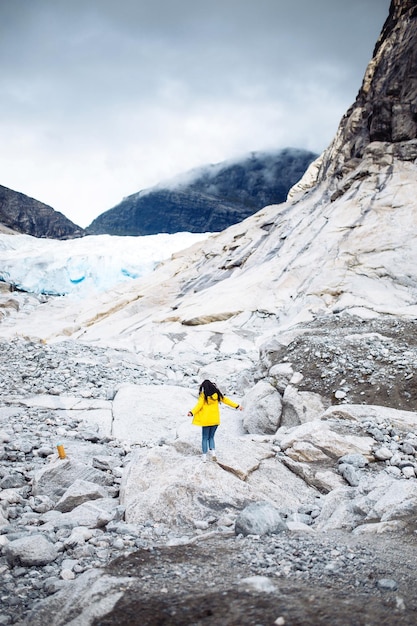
385 109
31 217
208 199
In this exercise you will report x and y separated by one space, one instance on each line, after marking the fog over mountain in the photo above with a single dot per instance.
207 199
305 313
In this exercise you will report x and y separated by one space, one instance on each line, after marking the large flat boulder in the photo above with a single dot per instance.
236 452
92 514
405 421
326 438
280 485
165 486
147 414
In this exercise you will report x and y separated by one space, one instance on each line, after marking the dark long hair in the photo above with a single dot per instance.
209 388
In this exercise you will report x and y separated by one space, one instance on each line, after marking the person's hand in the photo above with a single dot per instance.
240 407
189 414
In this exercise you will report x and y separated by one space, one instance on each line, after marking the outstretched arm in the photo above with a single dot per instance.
234 405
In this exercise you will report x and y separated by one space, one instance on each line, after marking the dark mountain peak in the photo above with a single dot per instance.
208 198
28 216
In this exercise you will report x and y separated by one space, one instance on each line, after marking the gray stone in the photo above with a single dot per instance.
34 550
357 460
259 518
80 491
87 598
281 374
408 471
41 504
383 454
12 481
5 437
387 584
79 535
26 446
44 451
350 474
407 448
54 479
396 459
300 407
94 514
263 408
105 462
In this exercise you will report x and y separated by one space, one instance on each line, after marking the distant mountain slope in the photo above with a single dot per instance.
208 199
31 217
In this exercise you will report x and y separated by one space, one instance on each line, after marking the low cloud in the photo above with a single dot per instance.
101 99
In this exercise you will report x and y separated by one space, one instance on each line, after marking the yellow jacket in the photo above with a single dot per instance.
208 413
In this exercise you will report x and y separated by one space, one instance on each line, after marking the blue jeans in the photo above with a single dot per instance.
208 438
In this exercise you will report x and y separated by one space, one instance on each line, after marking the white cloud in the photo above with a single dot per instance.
100 99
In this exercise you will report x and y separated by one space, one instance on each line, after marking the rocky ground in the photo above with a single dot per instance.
346 358
200 575
295 580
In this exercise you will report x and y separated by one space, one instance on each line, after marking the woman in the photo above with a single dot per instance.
206 413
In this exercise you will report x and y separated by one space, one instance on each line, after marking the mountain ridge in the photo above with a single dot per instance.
209 198
28 216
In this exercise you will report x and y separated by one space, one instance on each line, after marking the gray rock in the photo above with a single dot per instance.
396 459
25 446
94 514
54 479
105 462
5 437
300 406
377 434
281 374
34 550
12 481
90 596
44 451
407 448
79 535
408 471
350 474
79 492
357 460
387 584
41 504
263 408
259 518
383 454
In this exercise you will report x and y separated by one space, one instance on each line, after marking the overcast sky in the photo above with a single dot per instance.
102 98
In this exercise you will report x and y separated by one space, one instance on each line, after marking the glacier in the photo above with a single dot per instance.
94 263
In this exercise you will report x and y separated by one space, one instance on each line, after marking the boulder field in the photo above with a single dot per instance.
302 489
